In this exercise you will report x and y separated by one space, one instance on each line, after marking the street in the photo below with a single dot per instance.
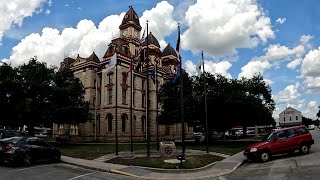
58 171
294 167
283 167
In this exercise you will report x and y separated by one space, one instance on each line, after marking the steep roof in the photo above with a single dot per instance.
151 40
130 18
93 57
169 51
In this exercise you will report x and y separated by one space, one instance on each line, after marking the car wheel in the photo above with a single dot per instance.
56 157
304 149
264 156
27 160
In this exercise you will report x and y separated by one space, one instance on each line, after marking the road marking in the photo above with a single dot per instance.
22 169
81 176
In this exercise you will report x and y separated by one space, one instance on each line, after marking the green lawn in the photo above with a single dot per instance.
158 162
93 151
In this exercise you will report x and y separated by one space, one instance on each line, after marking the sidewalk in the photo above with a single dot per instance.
226 166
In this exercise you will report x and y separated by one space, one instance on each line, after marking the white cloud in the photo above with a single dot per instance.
51 45
13 13
313 105
190 67
277 52
161 22
281 20
287 96
311 64
254 67
312 84
211 67
48 11
293 64
305 39
221 27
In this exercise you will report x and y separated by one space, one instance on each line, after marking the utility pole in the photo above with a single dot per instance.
131 96
157 105
148 103
116 113
205 102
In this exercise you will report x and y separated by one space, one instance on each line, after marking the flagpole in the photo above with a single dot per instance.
205 102
157 105
181 98
147 115
131 96
116 106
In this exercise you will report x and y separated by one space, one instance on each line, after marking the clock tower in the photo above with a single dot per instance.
130 30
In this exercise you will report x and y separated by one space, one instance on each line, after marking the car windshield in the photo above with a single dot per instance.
268 137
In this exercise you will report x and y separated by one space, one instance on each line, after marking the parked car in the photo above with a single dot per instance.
8 134
282 141
311 127
199 137
26 150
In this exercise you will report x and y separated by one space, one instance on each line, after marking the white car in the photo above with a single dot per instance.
311 127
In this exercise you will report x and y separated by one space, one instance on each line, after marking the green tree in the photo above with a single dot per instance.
36 95
68 99
11 96
36 81
306 121
170 101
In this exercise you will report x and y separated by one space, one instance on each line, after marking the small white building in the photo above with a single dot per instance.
290 117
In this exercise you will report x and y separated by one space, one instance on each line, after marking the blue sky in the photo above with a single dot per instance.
279 39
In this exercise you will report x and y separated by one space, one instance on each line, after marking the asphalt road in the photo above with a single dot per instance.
283 167
58 171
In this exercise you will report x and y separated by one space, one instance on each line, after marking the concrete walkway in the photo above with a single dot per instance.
226 166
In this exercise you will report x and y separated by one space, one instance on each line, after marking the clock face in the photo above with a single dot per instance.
125 33
135 34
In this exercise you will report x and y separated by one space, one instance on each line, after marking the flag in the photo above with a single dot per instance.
140 55
129 70
177 75
154 74
178 44
112 63
199 66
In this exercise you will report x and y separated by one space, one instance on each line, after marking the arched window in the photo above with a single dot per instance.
109 122
124 118
143 123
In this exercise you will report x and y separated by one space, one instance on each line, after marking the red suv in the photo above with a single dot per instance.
279 142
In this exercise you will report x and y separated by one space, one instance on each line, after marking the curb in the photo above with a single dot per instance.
87 167
115 171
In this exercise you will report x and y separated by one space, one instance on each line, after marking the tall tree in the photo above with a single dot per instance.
68 102
36 95
37 81
169 99
11 96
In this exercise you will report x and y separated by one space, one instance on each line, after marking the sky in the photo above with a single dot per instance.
240 38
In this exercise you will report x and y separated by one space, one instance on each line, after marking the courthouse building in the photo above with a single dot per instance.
100 88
